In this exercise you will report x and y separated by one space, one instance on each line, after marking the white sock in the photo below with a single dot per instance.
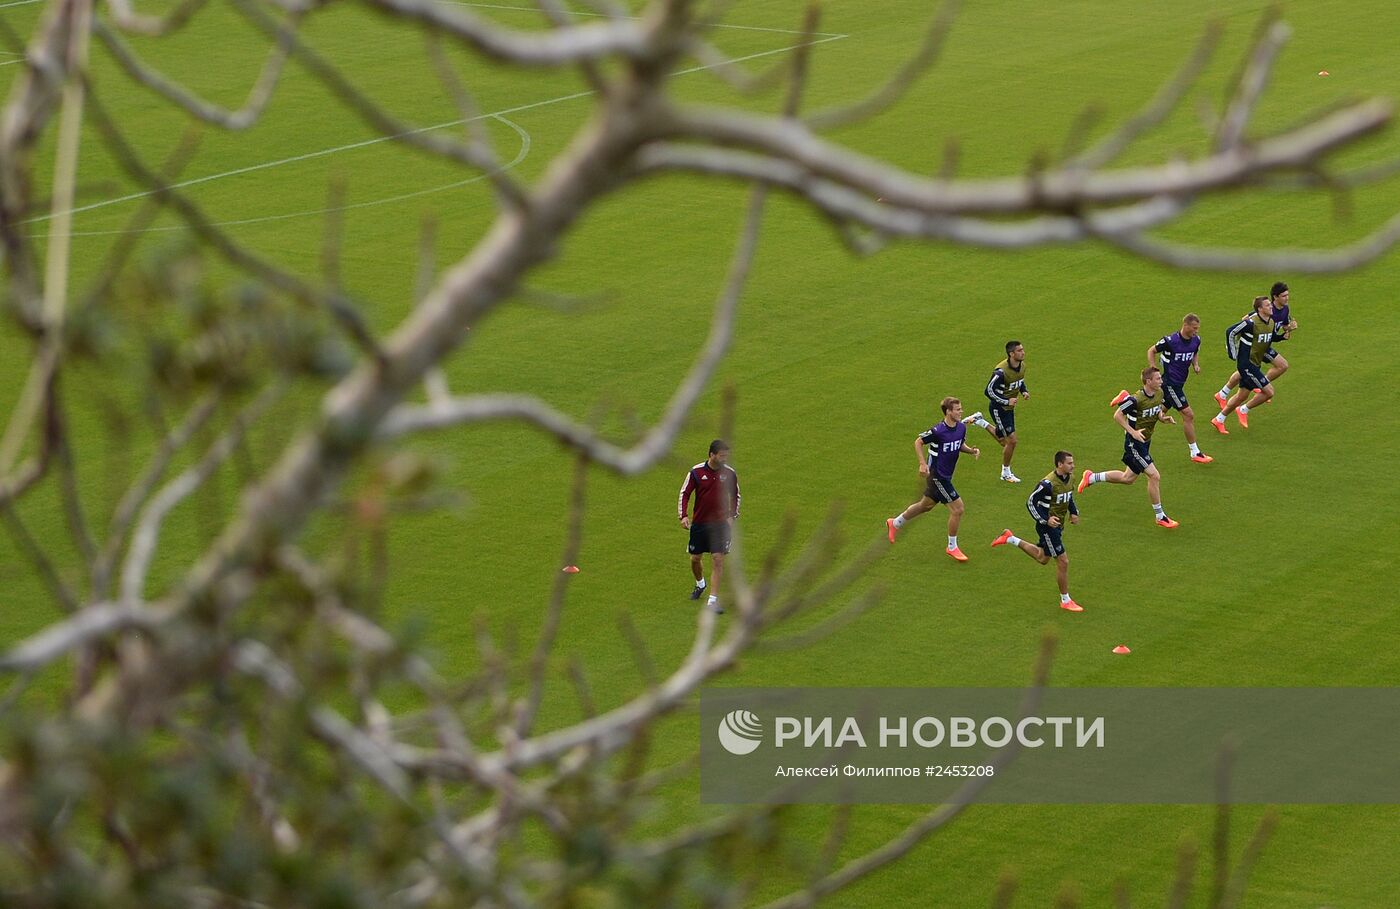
1064 598
1157 510
982 423
700 584
1014 541
1243 409
1195 450
1005 470
1225 391
899 521
712 600
1218 418
953 542
1099 477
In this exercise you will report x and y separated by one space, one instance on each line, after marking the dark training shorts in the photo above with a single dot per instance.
709 538
1051 542
1253 378
1003 420
1136 456
940 490
1175 396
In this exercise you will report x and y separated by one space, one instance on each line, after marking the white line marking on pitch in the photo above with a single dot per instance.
525 143
378 139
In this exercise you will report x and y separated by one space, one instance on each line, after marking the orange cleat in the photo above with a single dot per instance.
1221 400
1003 539
1219 427
1167 522
1084 481
1120 398
957 555
1243 418
889 525
1202 458
1072 606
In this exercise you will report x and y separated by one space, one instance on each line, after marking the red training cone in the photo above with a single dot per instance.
1122 648
571 569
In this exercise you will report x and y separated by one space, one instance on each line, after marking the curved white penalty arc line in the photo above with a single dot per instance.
389 200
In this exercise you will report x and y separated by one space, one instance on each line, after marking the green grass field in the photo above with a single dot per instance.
1281 571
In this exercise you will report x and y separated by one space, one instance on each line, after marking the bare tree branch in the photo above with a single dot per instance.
129 20
793 146
1252 81
131 501
147 532
887 95
1300 261
249 113
556 47
87 625
1166 100
339 308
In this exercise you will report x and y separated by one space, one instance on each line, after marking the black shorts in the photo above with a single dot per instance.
1175 396
1003 420
940 490
1252 378
709 538
1136 456
1051 540
1270 356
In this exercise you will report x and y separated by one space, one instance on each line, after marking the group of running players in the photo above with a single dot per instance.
714 485
1249 342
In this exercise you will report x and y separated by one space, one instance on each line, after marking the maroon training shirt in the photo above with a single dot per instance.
713 503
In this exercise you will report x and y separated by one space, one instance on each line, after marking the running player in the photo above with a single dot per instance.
1139 415
1180 353
1006 386
1181 356
715 486
1253 342
1284 325
1051 504
945 441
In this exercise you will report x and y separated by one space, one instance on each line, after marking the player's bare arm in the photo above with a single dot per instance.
1122 421
1152 356
923 458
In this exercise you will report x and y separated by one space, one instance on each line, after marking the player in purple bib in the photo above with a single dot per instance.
944 442
1180 353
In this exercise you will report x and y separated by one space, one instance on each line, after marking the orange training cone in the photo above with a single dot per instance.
1122 648
571 569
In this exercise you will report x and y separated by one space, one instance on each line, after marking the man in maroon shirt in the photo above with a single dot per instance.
715 486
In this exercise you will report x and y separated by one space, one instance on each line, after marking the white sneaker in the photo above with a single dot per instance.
1010 478
973 418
